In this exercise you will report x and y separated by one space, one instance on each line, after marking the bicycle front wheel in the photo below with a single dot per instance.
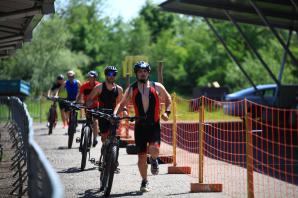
71 128
85 144
109 166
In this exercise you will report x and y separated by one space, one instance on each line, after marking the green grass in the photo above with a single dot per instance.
215 113
4 112
38 110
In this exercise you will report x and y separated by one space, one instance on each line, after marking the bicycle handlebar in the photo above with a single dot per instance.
110 117
71 104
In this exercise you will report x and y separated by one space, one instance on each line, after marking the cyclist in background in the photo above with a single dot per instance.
55 91
109 95
72 87
85 90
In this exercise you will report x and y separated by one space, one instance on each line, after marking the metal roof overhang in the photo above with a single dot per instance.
18 18
280 13
270 13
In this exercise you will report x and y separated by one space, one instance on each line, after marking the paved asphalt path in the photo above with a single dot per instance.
126 184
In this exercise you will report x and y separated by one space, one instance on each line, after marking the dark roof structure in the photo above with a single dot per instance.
269 13
280 13
18 18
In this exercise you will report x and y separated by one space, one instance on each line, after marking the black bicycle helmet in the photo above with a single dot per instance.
92 74
142 65
110 69
60 77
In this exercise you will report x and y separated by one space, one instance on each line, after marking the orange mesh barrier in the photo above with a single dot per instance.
224 146
252 150
255 158
274 144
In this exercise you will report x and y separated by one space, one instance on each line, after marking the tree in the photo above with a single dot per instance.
41 60
88 29
156 19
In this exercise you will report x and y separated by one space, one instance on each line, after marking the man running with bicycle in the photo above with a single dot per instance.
54 92
72 87
146 96
85 90
109 95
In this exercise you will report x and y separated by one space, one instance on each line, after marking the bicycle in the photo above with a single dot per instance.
73 107
52 114
73 120
108 160
52 117
85 140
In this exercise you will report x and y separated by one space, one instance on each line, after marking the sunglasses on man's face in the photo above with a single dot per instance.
111 74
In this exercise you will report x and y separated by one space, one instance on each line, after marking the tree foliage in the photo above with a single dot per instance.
80 38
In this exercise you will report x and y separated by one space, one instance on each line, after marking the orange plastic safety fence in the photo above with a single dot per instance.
275 150
224 146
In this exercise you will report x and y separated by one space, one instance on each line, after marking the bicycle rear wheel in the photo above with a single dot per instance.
51 120
109 166
85 144
71 128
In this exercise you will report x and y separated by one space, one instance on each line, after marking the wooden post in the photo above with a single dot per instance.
176 169
127 80
160 72
200 186
174 128
201 136
40 110
249 154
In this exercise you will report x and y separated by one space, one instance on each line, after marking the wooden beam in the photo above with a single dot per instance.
11 43
11 38
11 29
11 47
20 14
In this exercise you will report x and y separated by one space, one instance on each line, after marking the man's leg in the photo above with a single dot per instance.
154 150
64 118
95 130
142 164
67 114
141 145
154 144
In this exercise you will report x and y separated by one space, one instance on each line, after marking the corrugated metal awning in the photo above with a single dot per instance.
18 18
280 13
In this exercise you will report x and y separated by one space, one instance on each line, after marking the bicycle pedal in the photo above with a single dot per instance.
92 160
78 140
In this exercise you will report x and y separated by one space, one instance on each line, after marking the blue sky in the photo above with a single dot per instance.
128 9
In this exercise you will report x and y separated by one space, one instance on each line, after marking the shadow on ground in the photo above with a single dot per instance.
75 170
96 193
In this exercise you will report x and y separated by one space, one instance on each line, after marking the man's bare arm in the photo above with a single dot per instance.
166 97
125 99
78 95
120 94
95 92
